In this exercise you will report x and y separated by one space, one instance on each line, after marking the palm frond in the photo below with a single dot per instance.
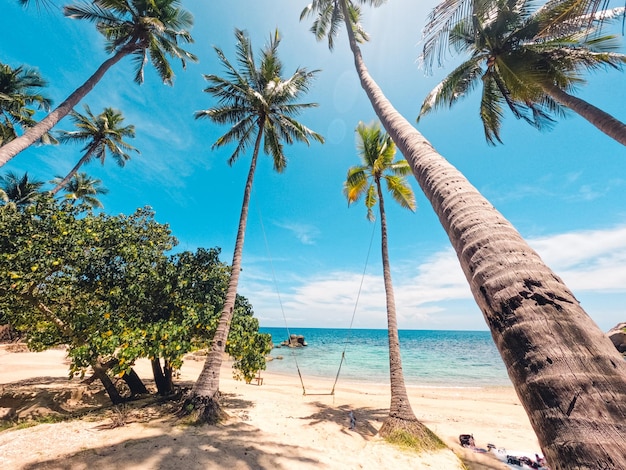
491 110
455 86
400 191
371 198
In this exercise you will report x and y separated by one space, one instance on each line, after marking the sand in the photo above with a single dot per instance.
272 425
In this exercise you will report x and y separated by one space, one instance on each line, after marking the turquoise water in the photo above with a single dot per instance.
429 358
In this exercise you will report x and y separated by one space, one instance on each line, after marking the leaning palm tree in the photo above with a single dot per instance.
525 63
100 133
377 152
567 373
20 97
144 29
21 191
83 188
261 105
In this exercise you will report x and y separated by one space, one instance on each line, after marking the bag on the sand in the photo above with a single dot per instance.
466 440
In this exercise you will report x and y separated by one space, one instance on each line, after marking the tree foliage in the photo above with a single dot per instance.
107 287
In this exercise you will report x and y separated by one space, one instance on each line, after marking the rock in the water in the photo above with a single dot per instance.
617 334
294 341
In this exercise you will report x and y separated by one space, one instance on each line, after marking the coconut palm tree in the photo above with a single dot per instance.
100 133
522 66
20 191
567 373
19 93
84 188
144 29
571 14
261 105
377 152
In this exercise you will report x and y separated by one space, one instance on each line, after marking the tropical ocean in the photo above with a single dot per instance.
430 358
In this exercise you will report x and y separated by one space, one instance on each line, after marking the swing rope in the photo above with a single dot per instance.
356 304
280 303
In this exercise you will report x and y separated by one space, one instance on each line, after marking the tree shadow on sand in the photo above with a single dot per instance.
369 420
40 397
237 446
364 418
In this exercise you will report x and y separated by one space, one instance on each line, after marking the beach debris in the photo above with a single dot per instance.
467 440
513 459
352 420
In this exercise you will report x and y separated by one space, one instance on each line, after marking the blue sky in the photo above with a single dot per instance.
305 250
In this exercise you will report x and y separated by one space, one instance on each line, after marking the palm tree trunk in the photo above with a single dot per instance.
205 392
72 172
33 134
401 416
568 375
600 119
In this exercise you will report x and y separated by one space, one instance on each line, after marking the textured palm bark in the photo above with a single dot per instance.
567 373
612 127
206 389
33 134
400 407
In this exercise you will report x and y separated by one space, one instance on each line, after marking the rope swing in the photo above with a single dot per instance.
343 353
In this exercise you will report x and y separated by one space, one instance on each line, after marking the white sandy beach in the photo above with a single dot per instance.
271 426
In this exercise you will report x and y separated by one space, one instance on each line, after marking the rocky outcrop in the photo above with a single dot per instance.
617 334
294 341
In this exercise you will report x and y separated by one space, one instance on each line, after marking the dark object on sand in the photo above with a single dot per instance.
513 460
466 440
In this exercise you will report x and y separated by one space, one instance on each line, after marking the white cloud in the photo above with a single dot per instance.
435 294
306 233
591 260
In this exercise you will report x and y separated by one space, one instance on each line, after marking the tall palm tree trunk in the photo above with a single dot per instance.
401 416
33 134
205 392
600 119
72 172
567 374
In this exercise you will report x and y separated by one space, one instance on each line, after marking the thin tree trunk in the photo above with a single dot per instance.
162 378
612 127
134 382
401 416
205 392
33 134
400 406
567 374
72 172
101 373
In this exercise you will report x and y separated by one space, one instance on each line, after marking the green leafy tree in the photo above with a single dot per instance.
55 258
101 133
565 370
521 66
176 309
377 152
20 97
261 105
105 287
84 189
144 29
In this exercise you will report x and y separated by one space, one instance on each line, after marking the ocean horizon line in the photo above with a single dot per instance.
261 327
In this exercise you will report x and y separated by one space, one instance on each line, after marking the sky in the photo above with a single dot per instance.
307 254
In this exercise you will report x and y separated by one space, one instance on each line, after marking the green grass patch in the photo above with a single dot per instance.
409 441
48 419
